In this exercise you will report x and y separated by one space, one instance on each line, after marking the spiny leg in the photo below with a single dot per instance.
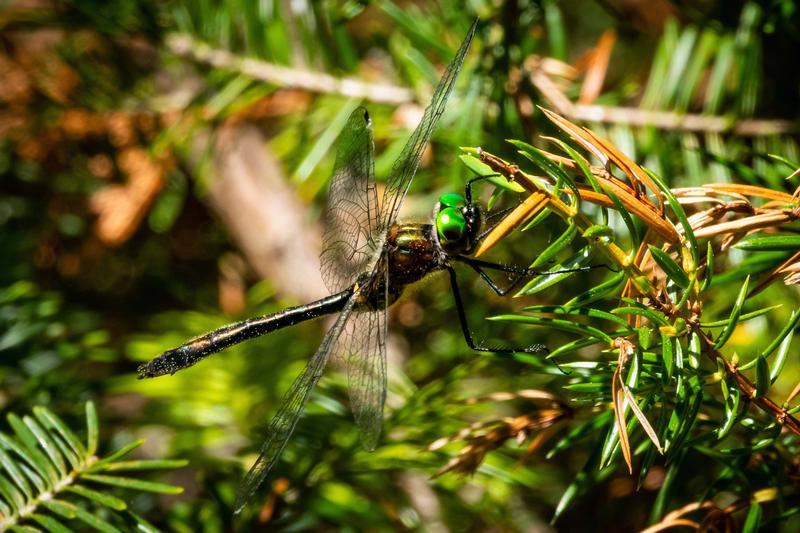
479 347
515 281
520 273
498 214
468 186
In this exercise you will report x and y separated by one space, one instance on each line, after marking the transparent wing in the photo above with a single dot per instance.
293 405
352 215
362 350
406 165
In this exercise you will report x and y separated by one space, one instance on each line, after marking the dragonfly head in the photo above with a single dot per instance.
458 223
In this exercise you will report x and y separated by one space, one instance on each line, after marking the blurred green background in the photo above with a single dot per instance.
155 187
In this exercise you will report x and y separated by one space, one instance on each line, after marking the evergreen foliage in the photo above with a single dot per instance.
51 480
669 395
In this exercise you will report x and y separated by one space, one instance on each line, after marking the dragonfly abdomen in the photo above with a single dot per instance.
201 347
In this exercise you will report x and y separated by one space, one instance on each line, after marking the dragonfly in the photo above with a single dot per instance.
368 259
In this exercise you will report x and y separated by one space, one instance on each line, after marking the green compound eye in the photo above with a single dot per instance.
452 200
450 224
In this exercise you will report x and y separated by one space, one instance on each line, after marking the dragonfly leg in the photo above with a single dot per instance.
468 187
494 216
520 273
515 280
491 217
479 346
478 266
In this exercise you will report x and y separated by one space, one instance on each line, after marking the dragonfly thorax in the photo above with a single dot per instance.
411 252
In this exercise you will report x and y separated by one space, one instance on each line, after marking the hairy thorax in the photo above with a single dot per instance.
411 253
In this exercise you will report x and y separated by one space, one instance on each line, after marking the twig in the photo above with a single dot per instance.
615 254
667 120
185 46
747 387
764 220
633 116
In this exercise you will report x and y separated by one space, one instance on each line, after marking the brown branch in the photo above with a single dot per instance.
318 82
636 117
613 252
763 220
747 387
513 173
668 120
